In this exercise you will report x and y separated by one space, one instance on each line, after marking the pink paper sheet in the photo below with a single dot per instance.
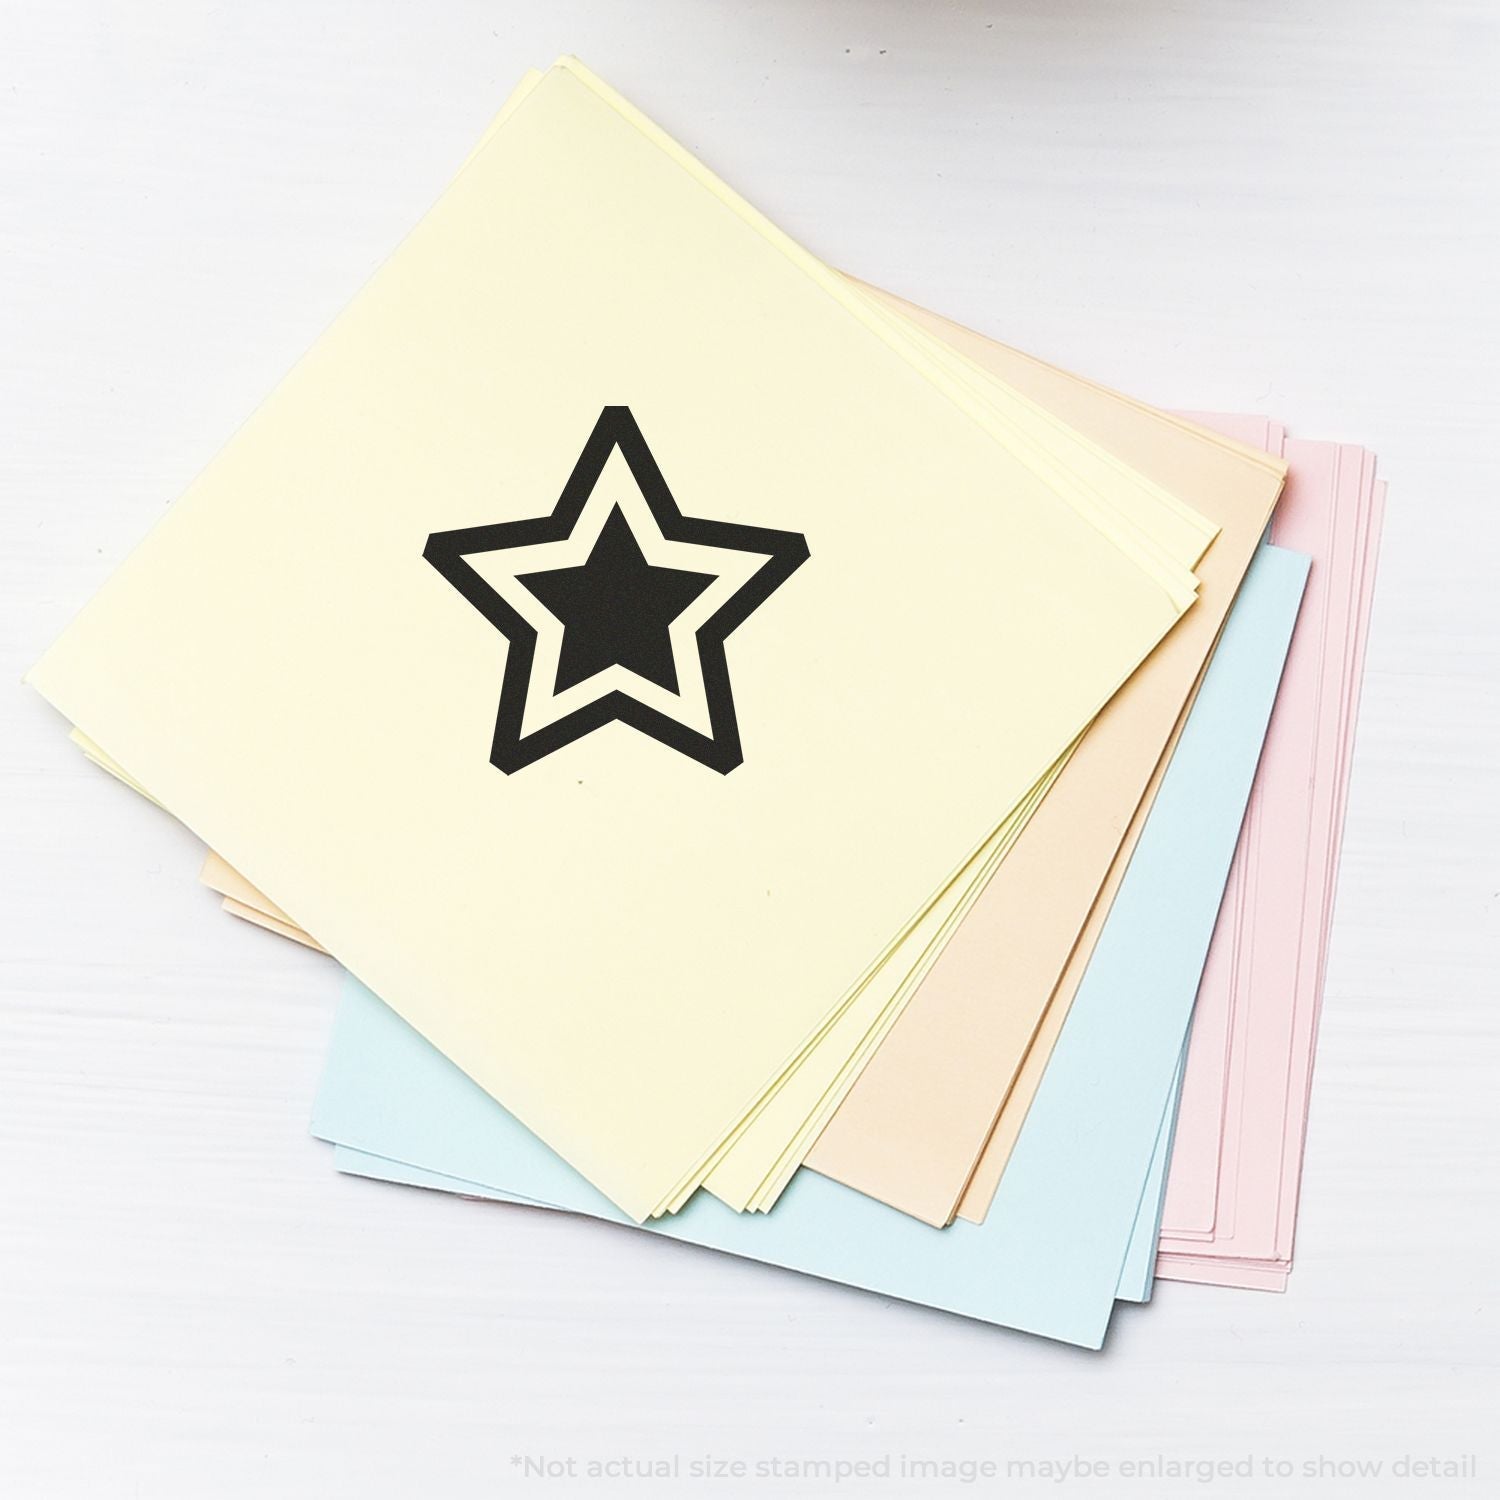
1236 1167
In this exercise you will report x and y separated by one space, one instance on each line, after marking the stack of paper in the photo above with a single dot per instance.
736 721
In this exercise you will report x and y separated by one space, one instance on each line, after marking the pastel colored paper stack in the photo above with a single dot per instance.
771 760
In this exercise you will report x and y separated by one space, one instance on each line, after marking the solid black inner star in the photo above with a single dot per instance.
616 609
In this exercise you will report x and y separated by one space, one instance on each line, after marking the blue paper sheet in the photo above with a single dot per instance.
1051 1253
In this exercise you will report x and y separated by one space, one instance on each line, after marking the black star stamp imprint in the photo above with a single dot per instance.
616 606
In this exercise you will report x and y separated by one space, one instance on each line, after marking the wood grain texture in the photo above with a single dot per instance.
1282 206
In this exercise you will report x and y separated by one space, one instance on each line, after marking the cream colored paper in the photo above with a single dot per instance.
641 945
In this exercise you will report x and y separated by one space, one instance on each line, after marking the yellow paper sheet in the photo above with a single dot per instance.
642 945
753 1164
903 1140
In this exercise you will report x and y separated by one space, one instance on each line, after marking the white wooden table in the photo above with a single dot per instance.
1282 206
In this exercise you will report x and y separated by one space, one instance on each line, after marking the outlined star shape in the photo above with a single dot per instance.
616 606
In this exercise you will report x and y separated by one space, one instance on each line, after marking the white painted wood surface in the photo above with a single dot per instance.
1284 206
